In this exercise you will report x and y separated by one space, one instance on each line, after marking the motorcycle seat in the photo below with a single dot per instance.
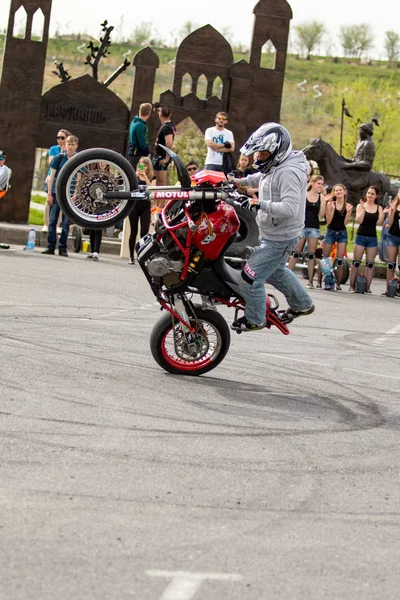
226 272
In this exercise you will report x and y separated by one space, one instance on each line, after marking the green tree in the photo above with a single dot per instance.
187 28
363 105
309 36
392 45
141 34
355 39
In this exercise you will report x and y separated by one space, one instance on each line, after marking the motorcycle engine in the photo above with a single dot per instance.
160 265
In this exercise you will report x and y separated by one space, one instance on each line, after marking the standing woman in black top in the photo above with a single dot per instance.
315 210
141 210
165 136
338 213
368 215
393 247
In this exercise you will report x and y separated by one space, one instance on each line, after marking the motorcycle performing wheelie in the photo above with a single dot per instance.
183 260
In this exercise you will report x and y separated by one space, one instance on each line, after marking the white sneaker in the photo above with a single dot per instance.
45 229
95 256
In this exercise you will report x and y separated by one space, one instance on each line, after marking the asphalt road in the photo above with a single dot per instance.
274 476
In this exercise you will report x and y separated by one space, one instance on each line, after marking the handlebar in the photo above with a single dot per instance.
227 191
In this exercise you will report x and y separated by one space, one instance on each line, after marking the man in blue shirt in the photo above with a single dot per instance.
56 164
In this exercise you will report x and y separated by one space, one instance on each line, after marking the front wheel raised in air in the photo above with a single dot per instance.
84 179
202 351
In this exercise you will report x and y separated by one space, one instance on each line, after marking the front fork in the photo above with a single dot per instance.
182 308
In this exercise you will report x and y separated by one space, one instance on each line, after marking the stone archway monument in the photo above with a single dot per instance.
250 93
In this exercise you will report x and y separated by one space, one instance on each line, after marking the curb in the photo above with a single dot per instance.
12 233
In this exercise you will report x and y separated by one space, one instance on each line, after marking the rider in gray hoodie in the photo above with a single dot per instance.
282 198
281 182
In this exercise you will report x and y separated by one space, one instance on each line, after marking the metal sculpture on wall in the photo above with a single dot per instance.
250 93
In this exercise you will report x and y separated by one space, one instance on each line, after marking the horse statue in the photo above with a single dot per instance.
331 167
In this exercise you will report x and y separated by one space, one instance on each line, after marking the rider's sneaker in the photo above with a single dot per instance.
243 325
289 315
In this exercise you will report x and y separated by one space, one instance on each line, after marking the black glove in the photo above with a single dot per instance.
252 206
228 145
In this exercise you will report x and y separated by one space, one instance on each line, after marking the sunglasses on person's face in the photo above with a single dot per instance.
61 137
222 118
192 168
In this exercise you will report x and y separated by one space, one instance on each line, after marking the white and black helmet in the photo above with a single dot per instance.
272 138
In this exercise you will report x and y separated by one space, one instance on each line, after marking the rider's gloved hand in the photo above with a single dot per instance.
251 205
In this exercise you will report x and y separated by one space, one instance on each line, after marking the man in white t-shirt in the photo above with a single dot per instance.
219 141
5 174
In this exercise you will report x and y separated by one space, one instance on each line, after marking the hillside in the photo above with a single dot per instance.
369 90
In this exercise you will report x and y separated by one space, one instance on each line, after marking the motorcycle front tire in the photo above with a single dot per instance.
73 166
172 363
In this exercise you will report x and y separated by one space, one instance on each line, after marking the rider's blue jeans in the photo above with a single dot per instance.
268 264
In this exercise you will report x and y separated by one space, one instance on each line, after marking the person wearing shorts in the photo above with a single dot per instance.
368 215
338 213
165 137
393 238
315 210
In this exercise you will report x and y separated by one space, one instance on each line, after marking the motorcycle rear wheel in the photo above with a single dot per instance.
169 348
85 175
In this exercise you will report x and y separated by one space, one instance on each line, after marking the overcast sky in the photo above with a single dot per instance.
166 17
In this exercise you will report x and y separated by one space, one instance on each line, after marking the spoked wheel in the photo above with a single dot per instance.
194 354
85 178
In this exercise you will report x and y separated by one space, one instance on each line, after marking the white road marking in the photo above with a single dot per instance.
327 366
386 336
185 584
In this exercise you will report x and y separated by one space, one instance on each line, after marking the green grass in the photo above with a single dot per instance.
35 216
38 199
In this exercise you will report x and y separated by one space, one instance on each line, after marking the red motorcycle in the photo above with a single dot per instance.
182 260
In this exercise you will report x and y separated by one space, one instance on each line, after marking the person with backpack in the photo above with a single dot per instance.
56 164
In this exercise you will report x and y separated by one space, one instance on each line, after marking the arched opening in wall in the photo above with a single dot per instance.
202 87
187 83
218 87
268 55
189 145
20 21
38 26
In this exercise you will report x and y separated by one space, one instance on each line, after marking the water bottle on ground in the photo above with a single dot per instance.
360 284
31 243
